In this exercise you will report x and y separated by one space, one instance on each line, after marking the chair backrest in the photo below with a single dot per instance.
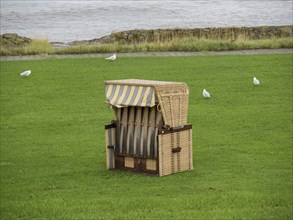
137 130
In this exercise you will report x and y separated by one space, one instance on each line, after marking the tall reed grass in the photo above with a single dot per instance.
220 33
36 46
176 44
183 44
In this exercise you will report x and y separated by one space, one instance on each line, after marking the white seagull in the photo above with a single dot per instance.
255 81
206 94
26 73
112 58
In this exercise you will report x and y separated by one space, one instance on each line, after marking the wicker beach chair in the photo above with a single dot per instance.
150 133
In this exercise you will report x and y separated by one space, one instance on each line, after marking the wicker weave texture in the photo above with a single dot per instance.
129 162
172 98
110 141
138 145
173 101
151 164
170 162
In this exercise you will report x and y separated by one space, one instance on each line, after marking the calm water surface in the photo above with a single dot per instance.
82 20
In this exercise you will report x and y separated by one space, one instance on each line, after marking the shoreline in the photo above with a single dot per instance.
158 40
162 35
146 54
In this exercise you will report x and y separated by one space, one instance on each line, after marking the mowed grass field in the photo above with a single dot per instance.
53 145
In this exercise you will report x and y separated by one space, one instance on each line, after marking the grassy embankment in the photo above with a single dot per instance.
53 145
206 39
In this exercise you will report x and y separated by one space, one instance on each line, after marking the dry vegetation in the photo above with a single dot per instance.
205 39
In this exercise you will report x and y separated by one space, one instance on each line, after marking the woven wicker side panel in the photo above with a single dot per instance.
184 138
170 162
165 154
173 102
110 141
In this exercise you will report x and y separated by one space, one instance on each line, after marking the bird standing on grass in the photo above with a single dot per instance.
111 58
255 81
206 94
26 73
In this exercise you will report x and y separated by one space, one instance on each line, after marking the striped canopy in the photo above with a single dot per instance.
130 95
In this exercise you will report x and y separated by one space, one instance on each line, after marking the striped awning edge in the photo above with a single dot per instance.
130 95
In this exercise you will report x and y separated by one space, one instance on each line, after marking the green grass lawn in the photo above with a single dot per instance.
53 146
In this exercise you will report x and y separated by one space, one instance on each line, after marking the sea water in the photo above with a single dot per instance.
72 20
